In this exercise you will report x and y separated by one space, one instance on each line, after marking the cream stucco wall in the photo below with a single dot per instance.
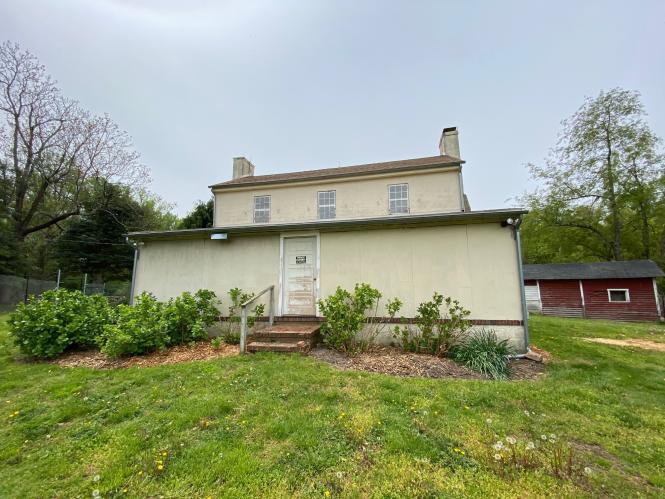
475 263
430 191
167 268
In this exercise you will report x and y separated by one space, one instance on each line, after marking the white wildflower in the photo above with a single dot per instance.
543 437
527 413
552 436
497 457
587 470
498 445
96 478
511 440
530 446
488 421
96 493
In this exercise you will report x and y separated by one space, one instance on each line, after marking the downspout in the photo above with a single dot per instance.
525 313
136 259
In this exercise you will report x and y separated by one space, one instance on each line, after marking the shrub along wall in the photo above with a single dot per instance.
59 320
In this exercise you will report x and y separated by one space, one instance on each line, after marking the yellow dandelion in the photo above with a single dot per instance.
164 453
327 493
160 467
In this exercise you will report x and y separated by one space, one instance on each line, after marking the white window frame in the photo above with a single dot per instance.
254 209
319 205
408 208
609 295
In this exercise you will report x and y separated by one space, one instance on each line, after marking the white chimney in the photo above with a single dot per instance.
242 167
449 142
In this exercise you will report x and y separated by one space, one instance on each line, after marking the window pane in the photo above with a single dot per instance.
398 198
618 295
262 209
326 208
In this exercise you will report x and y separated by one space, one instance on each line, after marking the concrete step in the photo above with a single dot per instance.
275 346
289 332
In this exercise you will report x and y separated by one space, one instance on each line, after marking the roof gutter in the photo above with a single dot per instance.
398 221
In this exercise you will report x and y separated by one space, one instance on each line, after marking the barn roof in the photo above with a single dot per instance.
598 270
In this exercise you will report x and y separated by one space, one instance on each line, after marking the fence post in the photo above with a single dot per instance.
243 328
85 281
57 282
27 283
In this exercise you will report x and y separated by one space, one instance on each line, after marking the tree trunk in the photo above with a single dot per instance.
646 236
611 194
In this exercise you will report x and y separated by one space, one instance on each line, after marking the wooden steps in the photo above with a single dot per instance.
284 337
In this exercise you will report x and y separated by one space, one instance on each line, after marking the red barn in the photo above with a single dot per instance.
624 290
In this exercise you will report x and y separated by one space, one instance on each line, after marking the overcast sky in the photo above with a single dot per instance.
307 84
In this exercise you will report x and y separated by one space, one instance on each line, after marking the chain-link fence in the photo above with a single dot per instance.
17 289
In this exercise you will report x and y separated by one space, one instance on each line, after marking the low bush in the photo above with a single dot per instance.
139 328
437 331
61 319
483 352
346 316
187 316
231 329
151 325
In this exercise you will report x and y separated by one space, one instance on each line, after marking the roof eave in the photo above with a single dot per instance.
461 218
229 185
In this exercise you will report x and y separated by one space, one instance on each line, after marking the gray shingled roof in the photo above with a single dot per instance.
599 270
389 166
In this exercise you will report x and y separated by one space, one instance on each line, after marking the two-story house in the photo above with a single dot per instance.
405 227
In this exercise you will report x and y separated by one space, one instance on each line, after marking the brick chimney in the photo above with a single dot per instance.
242 167
449 142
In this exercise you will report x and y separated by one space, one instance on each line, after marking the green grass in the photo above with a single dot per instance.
273 425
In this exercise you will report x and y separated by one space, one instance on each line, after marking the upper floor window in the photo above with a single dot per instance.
327 200
261 209
398 198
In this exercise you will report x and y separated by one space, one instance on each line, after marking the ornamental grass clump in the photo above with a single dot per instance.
483 352
58 320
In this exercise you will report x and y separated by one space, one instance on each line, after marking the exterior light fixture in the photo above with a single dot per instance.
222 236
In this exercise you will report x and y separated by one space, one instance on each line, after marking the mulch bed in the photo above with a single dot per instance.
202 350
388 360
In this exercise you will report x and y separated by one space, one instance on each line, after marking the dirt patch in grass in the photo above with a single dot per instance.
393 361
202 350
646 344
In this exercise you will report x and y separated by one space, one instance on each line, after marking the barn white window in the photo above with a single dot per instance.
261 209
398 198
618 295
326 203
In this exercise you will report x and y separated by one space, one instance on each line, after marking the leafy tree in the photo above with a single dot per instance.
602 187
200 217
95 242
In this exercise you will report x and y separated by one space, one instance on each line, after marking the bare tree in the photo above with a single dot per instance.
50 148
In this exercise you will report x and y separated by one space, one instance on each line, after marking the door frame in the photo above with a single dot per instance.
317 271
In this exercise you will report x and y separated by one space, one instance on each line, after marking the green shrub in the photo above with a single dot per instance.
151 325
484 353
187 316
231 328
58 320
437 332
346 316
139 328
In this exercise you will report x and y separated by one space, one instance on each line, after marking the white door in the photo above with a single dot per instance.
299 279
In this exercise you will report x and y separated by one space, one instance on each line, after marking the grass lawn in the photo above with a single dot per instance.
276 425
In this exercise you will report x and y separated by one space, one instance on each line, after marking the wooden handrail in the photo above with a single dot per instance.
243 314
